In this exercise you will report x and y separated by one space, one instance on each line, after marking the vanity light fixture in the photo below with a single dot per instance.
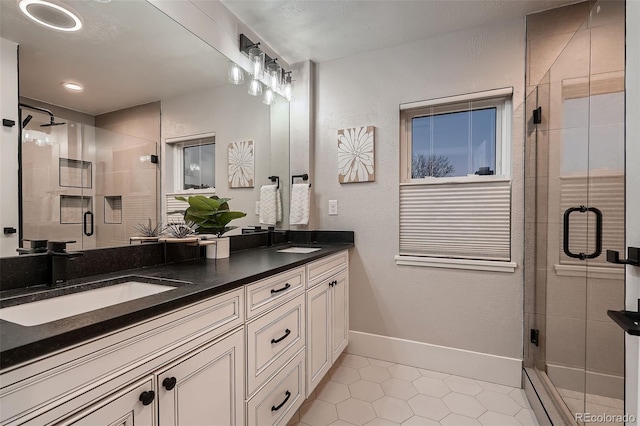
255 87
51 15
278 80
73 87
235 73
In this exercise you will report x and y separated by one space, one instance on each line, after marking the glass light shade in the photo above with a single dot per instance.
255 87
288 89
273 71
269 96
236 76
256 56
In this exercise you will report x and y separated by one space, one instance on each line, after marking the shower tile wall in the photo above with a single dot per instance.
41 191
124 170
581 98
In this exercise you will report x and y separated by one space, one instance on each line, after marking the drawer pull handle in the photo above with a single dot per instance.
286 286
274 408
147 397
286 333
169 383
333 283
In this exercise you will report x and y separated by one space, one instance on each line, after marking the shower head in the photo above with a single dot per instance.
26 120
52 123
51 118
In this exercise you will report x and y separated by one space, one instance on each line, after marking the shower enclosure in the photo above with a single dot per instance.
84 184
574 199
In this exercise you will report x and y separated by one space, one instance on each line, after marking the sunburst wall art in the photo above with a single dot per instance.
356 149
241 164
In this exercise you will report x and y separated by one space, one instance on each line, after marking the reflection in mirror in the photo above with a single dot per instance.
92 179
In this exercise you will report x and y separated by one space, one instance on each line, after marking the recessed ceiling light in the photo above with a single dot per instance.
74 87
51 15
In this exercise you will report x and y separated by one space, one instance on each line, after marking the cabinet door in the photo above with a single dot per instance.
124 408
205 387
318 334
339 314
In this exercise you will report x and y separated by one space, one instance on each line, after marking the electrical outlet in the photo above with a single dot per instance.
257 208
333 207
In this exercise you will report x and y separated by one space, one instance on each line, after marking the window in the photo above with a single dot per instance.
198 166
455 192
458 137
191 163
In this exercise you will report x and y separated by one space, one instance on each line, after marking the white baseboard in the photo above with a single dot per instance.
475 365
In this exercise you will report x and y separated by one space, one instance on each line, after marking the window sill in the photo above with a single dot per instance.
457 179
469 264
205 191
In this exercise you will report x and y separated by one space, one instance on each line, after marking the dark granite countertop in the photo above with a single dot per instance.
204 277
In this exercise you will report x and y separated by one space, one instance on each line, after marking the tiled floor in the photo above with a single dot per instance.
365 391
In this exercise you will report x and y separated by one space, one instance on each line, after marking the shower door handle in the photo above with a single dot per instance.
565 237
89 216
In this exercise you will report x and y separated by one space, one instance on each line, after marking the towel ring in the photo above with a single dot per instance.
303 176
275 179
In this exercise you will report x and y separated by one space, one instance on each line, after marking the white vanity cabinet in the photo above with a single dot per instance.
276 337
91 382
246 357
327 315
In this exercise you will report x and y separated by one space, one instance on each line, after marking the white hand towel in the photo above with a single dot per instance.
300 198
268 205
278 205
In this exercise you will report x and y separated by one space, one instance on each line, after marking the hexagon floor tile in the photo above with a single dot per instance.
366 391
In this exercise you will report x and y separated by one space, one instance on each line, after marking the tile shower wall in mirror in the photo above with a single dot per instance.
89 184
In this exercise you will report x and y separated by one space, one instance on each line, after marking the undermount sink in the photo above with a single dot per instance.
55 308
301 250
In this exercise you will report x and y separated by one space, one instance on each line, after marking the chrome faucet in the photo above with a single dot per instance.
58 258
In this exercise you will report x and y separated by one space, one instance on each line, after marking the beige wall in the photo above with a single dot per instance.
472 310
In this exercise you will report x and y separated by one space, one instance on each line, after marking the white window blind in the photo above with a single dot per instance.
174 205
464 221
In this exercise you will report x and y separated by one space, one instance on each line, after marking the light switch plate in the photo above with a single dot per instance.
257 208
333 207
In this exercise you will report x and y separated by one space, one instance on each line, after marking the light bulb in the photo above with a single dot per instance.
256 56
235 74
288 88
255 87
268 96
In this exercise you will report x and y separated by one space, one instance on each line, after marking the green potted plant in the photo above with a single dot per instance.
211 215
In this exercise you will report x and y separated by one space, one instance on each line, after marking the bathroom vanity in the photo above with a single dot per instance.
238 341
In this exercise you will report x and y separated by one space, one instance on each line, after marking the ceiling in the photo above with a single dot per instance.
331 29
127 53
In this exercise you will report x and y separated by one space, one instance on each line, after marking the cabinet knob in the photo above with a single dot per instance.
147 397
169 383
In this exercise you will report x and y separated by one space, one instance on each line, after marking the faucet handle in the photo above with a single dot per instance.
58 246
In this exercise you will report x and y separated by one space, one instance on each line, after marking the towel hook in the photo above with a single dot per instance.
275 179
303 176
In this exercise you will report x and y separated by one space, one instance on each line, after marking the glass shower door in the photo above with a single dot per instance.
580 213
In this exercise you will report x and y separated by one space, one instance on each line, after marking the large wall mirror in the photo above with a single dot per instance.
151 90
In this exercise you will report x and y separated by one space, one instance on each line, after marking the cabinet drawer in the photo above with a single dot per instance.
105 363
264 295
272 340
276 403
327 266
